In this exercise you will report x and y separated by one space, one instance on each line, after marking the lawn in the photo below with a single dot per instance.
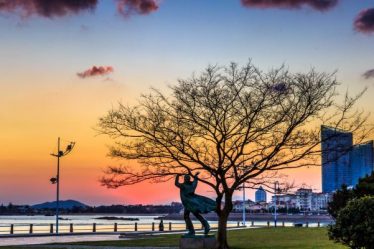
263 238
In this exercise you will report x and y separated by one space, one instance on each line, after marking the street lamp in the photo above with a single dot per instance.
276 190
56 180
243 203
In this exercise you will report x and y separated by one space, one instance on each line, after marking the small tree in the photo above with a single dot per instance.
354 225
341 197
339 200
234 125
365 186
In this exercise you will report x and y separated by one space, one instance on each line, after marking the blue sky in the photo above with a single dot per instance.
40 58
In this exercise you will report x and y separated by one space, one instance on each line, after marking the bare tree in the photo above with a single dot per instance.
233 124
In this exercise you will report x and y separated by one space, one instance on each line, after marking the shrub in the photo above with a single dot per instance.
354 224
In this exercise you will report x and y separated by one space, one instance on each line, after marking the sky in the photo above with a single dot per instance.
64 64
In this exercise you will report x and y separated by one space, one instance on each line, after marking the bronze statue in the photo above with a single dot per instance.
193 203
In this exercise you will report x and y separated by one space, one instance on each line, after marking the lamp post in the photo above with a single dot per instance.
56 179
276 189
243 203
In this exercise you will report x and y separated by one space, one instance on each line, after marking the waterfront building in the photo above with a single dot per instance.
343 162
288 201
304 199
260 195
362 161
238 205
320 201
336 170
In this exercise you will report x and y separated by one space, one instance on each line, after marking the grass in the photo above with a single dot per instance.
262 238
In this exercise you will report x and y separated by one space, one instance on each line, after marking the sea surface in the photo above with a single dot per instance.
89 223
23 224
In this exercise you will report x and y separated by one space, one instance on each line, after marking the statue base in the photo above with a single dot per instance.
198 242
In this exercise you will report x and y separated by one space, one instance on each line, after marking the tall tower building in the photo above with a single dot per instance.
260 195
362 160
336 166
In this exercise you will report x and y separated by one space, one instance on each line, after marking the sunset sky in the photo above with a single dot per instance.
63 66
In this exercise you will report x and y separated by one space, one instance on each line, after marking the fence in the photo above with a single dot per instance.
9 229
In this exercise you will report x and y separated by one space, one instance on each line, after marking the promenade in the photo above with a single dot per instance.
39 240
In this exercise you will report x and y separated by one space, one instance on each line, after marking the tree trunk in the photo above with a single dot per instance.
223 216
222 229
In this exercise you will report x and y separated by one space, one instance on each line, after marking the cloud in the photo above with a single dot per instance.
364 22
369 74
143 7
320 5
96 71
46 8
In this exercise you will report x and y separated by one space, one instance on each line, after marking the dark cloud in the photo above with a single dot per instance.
364 22
320 5
96 71
369 74
46 8
143 7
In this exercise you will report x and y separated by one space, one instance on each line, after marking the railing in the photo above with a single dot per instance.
65 228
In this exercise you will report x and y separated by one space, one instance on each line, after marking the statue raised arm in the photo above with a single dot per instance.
193 203
177 181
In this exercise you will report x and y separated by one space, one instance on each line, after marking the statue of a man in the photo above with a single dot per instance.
193 203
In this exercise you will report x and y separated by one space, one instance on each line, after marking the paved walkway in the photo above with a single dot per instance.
55 239
30 241
100 247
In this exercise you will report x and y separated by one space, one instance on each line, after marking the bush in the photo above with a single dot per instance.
339 200
354 225
364 187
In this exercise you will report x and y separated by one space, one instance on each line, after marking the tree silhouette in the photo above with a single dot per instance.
233 124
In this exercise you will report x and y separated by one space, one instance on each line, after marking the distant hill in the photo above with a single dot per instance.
68 204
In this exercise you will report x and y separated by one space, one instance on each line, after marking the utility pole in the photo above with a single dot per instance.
243 203
276 188
53 180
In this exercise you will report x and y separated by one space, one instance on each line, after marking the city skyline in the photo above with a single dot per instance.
61 71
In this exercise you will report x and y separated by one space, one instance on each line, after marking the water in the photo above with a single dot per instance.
85 223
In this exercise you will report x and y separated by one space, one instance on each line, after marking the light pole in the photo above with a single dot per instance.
276 189
243 203
56 179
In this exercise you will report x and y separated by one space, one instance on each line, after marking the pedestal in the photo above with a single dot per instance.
198 242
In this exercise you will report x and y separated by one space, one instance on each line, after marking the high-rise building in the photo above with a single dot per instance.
362 160
343 162
260 195
336 170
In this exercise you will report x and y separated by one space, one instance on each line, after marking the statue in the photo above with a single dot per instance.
193 203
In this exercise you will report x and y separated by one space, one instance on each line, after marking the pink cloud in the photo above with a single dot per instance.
143 7
46 8
320 5
369 74
96 71
364 22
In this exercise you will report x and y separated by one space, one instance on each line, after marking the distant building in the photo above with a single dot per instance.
304 199
343 162
362 161
320 201
336 170
238 205
250 206
285 201
260 195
